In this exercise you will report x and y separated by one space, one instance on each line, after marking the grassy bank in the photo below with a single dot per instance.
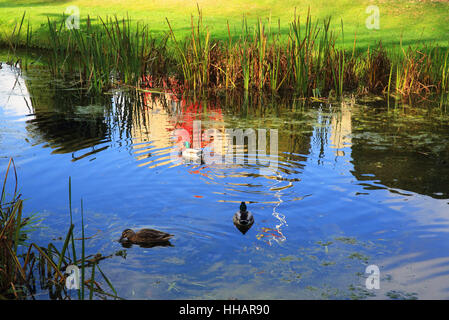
413 21
311 61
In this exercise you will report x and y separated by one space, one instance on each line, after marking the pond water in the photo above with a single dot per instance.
351 185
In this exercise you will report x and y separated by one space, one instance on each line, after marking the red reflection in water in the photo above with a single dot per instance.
186 112
189 111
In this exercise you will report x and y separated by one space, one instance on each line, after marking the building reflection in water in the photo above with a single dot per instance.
341 129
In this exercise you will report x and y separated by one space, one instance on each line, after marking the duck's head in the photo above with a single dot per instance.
243 211
127 233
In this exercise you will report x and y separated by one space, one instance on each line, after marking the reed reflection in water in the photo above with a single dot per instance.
355 184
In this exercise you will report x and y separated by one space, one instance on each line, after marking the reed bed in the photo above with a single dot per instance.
308 61
100 56
22 263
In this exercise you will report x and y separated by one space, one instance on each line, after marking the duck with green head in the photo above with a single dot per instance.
243 219
191 153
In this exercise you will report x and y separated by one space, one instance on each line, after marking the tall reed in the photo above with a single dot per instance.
301 51
106 53
310 60
193 55
13 41
21 262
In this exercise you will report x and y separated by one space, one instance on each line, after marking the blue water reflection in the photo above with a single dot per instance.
353 185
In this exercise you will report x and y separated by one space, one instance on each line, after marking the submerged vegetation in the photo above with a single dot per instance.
22 264
308 63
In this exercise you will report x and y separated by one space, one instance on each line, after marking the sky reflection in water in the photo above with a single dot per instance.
355 186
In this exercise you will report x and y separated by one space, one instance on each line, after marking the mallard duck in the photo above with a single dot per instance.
145 236
191 153
243 219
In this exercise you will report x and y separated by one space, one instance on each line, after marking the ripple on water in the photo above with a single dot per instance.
349 186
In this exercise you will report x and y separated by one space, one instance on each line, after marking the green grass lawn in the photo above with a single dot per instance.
413 21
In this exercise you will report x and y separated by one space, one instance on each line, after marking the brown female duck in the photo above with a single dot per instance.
145 236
